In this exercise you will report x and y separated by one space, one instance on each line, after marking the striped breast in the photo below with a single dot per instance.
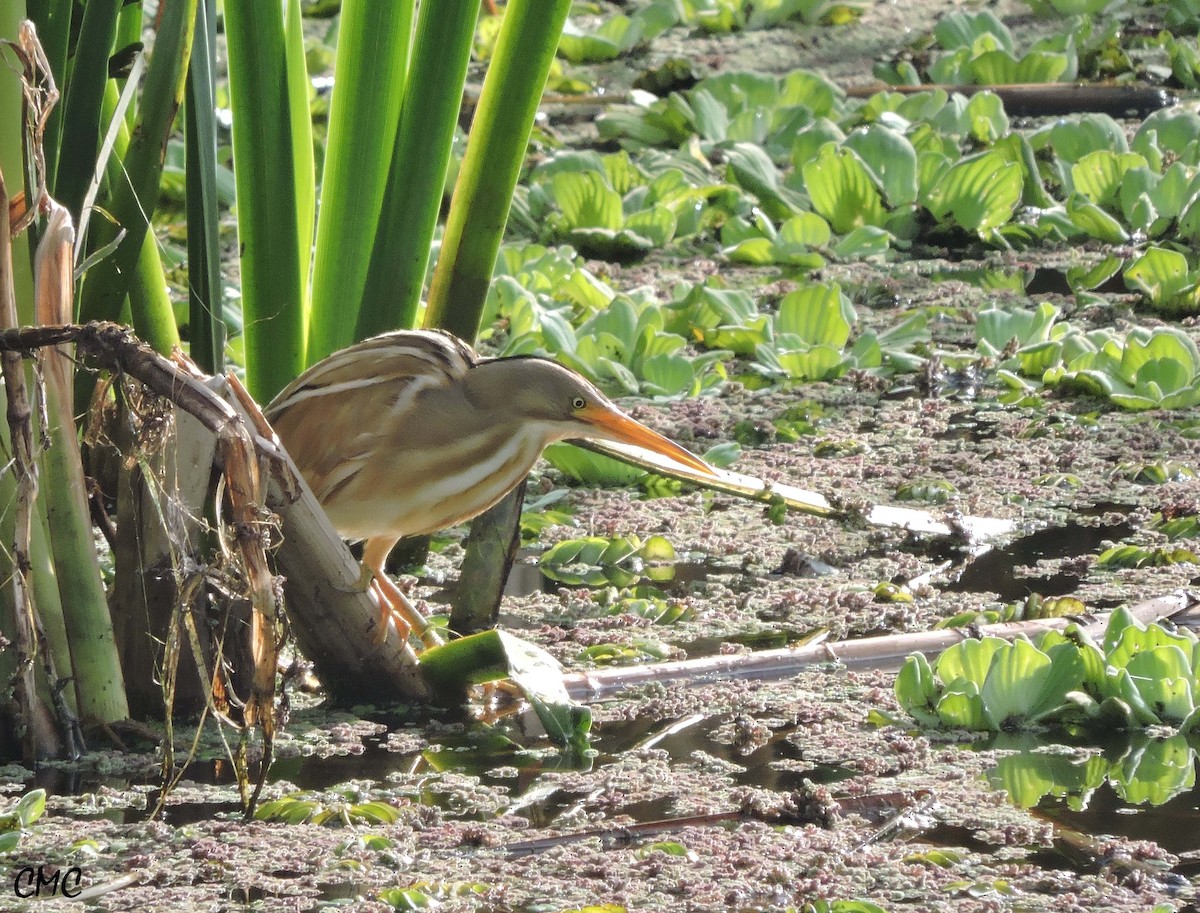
350 421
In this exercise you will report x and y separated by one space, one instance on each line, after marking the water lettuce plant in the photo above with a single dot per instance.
977 48
17 820
811 331
613 207
1135 676
1166 279
616 35
1145 369
421 895
720 16
724 109
626 348
646 602
1141 369
1145 556
343 809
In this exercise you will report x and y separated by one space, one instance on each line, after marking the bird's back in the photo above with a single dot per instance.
338 420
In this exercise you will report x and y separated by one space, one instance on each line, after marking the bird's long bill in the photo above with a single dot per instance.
617 426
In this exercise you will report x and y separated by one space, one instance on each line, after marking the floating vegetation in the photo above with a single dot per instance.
424 895
646 602
312 808
1139 369
1187 527
15 822
616 35
636 650
930 491
1032 607
1159 472
1136 676
1146 556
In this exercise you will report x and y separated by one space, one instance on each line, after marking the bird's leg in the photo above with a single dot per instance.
393 604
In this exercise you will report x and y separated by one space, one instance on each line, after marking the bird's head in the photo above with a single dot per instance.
566 405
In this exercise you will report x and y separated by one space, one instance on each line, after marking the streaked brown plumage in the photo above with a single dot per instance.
411 432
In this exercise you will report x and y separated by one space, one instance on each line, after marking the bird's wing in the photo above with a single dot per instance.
390 358
331 417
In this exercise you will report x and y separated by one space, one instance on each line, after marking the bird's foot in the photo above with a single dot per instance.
395 608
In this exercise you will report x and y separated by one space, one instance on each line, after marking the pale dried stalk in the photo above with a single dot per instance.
885 653
25 469
41 95
54 294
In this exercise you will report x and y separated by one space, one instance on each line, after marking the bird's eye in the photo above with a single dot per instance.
578 402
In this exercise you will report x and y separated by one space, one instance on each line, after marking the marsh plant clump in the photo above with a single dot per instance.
1136 676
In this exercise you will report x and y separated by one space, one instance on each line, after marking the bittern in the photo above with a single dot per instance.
411 432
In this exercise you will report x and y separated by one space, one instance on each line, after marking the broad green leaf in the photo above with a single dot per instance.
1073 138
1086 278
1161 274
587 201
812 90
995 68
817 314
494 655
864 242
995 328
917 689
1164 677
962 707
981 192
1162 346
1099 175
841 189
669 375
816 363
1175 130
1094 221
1066 675
962 29
623 175
712 118
588 468
986 116
753 170
30 807
932 167
656 224
968 661
1014 682
806 229
891 159
611 38
811 139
